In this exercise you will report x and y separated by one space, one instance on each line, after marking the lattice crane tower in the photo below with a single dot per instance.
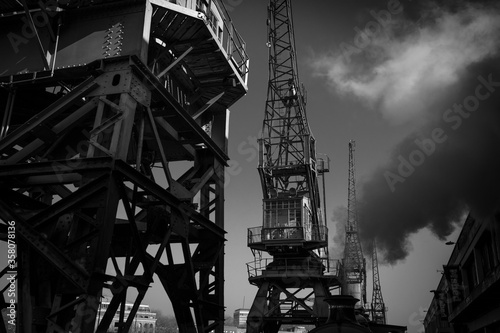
354 264
377 306
101 99
293 283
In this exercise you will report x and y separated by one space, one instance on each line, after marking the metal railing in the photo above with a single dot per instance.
230 40
330 267
176 91
261 234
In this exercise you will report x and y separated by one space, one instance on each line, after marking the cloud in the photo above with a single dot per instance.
452 176
442 73
400 67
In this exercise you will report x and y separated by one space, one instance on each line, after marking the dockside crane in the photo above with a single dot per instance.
102 99
378 306
354 264
295 280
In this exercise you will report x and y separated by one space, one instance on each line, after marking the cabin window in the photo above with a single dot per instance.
282 213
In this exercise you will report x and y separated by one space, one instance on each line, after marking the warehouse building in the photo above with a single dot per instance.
467 298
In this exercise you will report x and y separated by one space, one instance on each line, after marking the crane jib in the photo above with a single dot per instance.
293 229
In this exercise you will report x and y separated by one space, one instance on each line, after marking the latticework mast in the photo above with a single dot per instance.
289 158
377 306
292 284
354 279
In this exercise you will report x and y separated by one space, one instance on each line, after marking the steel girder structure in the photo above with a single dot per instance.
288 149
293 284
354 264
291 292
100 102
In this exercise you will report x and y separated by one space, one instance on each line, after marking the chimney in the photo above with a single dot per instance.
341 309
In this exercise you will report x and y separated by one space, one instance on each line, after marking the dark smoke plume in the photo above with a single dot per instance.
336 250
432 181
442 72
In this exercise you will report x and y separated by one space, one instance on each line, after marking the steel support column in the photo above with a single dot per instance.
86 148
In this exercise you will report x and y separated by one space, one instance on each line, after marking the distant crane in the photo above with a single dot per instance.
377 307
295 281
354 264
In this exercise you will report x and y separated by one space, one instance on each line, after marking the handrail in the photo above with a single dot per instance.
231 41
330 267
311 233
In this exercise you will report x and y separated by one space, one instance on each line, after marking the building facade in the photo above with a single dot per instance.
144 320
240 318
467 298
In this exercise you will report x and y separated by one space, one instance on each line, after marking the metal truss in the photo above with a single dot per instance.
112 153
288 147
76 173
377 306
294 297
294 284
354 263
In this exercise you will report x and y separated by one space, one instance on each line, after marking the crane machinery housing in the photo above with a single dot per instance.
295 281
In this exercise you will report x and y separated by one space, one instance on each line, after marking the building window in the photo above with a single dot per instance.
214 22
486 253
199 5
470 274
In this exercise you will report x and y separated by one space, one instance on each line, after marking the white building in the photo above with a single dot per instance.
240 318
144 320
